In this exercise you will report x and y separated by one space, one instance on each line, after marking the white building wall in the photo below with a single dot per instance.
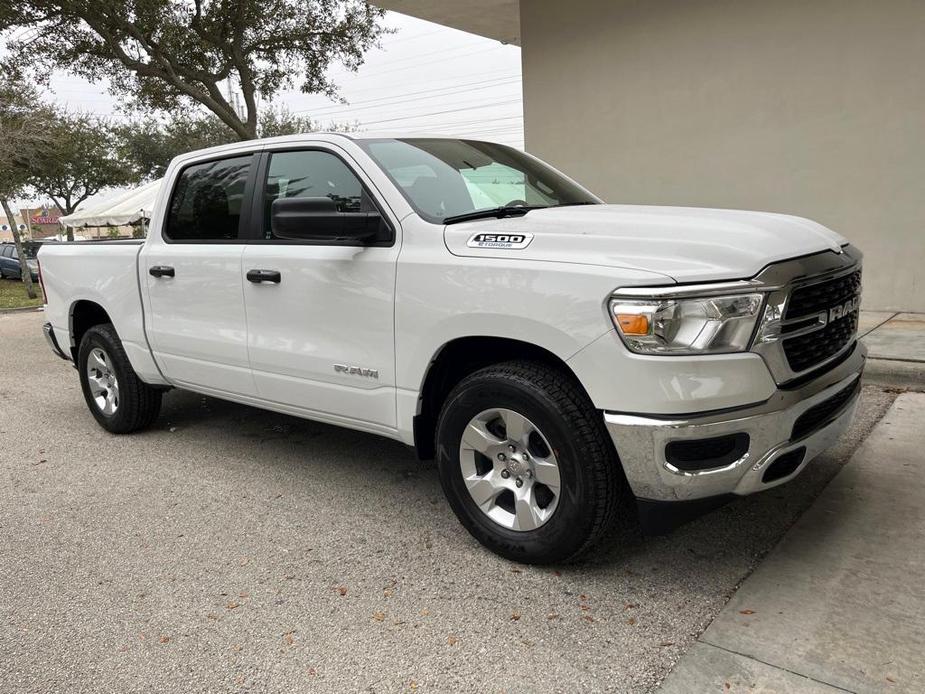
811 107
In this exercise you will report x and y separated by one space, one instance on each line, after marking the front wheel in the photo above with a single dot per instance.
119 400
525 462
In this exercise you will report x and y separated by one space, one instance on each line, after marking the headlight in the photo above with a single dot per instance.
709 325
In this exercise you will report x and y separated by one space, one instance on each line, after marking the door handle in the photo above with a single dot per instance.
258 276
161 271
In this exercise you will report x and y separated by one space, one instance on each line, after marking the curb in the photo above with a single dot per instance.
895 374
22 309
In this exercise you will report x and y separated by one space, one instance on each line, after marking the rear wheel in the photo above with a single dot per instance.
525 462
119 400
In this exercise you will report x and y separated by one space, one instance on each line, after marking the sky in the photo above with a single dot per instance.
425 79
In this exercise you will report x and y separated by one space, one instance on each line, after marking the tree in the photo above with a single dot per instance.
167 54
24 134
78 161
146 145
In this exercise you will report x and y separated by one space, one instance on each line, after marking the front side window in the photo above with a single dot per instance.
312 174
7 252
443 178
207 199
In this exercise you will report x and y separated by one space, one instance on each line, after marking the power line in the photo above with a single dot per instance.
398 98
417 67
440 113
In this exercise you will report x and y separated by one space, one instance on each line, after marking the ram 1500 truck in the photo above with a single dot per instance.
560 358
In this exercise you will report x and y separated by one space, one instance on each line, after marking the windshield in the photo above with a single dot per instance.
443 178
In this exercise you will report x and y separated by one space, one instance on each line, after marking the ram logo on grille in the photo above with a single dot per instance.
842 310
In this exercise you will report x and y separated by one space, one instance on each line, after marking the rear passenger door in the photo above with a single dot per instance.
321 338
192 273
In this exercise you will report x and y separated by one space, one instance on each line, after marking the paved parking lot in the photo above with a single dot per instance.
230 549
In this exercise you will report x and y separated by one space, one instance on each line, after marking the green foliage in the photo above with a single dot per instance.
25 136
78 161
146 145
167 54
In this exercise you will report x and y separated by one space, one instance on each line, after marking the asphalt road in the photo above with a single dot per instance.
231 549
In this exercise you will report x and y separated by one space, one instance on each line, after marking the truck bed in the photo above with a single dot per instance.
105 273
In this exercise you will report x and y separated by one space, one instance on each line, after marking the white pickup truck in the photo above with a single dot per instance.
560 358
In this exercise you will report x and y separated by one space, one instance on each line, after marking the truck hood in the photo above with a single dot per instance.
688 244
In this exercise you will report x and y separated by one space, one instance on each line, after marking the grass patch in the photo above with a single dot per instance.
13 294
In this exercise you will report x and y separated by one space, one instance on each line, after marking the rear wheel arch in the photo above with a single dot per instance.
461 357
83 315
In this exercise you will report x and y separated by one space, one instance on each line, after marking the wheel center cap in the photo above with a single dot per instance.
517 466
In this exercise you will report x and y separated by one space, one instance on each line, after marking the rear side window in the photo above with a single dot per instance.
207 201
6 253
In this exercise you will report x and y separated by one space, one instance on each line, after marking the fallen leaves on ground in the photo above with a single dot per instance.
342 590
515 616
232 605
746 612
165 639
379 616
451 640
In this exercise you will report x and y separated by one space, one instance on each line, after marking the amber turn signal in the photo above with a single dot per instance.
633 323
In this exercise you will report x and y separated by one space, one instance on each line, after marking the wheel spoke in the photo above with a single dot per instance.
547 472
516 426
526 512
96 385
97 360
484 490
478 438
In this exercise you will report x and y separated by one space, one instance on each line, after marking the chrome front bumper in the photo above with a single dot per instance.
640 441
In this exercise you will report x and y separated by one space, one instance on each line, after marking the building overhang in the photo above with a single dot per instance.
494 19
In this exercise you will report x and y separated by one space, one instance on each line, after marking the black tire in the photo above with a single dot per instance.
138 404
591 477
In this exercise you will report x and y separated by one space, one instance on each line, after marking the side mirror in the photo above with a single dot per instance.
319 219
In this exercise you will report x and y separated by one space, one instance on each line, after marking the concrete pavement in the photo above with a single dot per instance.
896 348
839 605
233 549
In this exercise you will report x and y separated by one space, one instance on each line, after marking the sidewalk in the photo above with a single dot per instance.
896 344
839 604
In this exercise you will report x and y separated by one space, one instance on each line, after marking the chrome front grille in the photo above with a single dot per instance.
830 333
821 296
811 314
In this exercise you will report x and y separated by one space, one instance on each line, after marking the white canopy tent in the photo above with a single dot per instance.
128 207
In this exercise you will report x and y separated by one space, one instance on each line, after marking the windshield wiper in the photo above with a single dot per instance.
492 212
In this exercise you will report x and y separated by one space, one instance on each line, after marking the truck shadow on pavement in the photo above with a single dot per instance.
728 540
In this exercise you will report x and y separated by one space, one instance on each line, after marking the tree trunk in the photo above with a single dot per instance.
23 264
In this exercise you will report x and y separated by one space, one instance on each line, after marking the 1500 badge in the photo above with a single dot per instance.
514 241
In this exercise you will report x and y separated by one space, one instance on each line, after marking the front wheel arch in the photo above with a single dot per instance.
459 358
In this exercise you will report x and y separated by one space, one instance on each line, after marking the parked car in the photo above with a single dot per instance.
555 354
10 264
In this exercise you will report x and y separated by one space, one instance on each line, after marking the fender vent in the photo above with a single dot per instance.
784 466
703 454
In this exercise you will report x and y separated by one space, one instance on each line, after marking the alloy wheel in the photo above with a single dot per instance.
510 470
104 386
